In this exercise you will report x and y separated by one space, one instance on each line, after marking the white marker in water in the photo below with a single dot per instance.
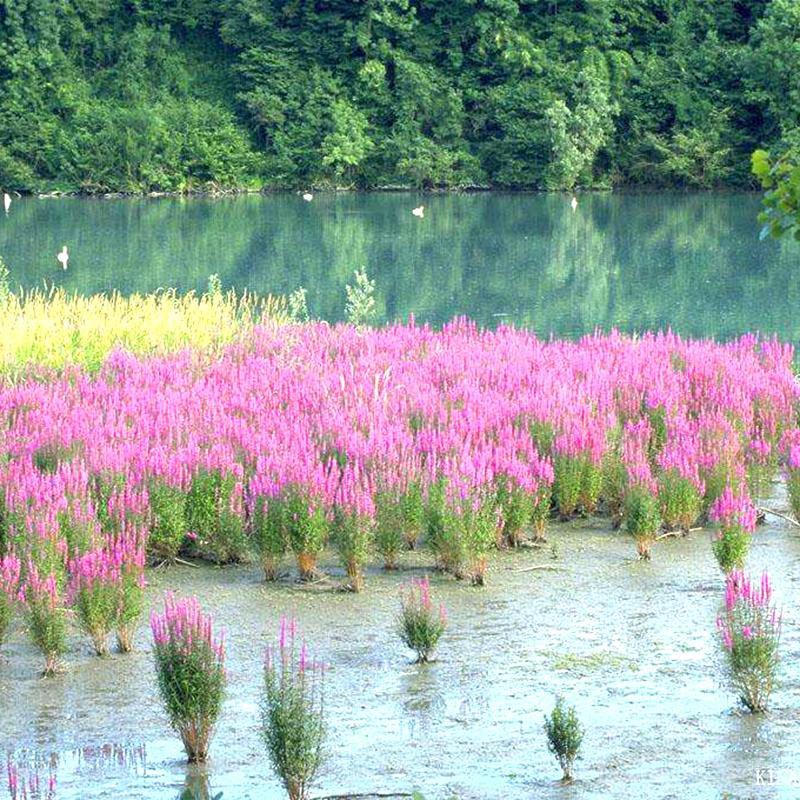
6 201
419 211
308 197
63 257
574 203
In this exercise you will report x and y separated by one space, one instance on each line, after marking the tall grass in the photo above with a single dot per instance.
54 328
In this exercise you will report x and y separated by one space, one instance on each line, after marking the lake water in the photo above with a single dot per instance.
635 261
631 644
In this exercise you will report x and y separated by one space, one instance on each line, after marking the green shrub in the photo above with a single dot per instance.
564 736
269 534
190 669
352 536
731 546
168 525
516 507
306 528
292 713
216 528
641 519
679 501
390 537
420 625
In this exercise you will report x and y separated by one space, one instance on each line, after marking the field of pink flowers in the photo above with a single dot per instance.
459 441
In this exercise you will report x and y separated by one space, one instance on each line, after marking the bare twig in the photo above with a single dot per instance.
186 563
667 534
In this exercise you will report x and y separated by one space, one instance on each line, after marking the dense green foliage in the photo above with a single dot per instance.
780 177
180 94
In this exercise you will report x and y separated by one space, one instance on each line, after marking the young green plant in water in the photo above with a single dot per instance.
749 629
190 665
292 712
420 625
564 736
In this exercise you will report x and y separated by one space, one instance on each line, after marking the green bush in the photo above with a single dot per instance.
168 523
269 534
641 518
217 529
564 736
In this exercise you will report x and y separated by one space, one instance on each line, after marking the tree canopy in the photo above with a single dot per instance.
175 95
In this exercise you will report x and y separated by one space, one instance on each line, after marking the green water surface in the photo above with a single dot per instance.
692 262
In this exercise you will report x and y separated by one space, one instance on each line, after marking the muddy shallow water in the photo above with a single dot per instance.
630 644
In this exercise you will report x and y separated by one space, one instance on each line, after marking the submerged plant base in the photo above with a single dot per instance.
100 643
355 579
195 738
307 566
53 666
643 546
270 564
125 636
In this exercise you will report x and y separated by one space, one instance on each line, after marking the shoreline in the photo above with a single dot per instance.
389 189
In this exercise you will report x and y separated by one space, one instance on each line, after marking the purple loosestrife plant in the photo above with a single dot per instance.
420 625
736 517
167 519
641 518
352 536
761 464
540 511
94 593
306 528
190 665
352 527
679 500
211 516
516 507
390 538
412 507
9 591
293 712
568 472
46 617
130 554
268 534
793 479
404 406
749 629
615 478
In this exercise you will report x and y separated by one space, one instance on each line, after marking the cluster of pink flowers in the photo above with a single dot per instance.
96 568
183 627
39 588
288 660
749 629
10 569
417 595
733 509
749 613
341 412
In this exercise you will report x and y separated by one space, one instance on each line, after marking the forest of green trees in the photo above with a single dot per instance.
180 95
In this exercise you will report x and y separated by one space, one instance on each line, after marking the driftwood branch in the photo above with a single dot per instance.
548 567
367 795
778 514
